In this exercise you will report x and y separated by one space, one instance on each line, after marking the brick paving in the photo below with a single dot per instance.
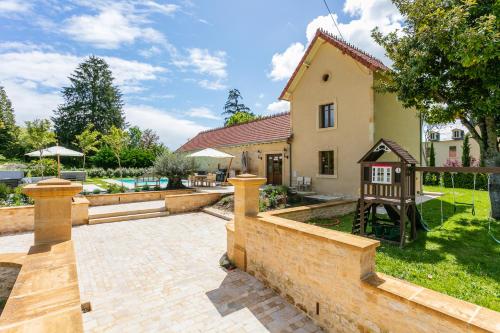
162 275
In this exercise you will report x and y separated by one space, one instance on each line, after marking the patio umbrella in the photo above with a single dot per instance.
55 151
214 153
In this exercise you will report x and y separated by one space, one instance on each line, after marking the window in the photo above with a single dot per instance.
326 116
458 134
452 152
434 136
381 174
326 164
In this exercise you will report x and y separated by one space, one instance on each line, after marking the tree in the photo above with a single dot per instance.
117 140
149 139
175 166
445 64
8 128
233 107
39 136
135 135
87 141
240 118
432 156
91 98
466 158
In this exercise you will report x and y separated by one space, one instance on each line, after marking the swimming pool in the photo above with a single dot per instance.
131 182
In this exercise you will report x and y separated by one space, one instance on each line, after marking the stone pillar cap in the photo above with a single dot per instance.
52 187
246 175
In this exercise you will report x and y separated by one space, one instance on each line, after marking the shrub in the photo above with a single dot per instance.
114 188
48 166
273 197
96 191
130 158
175 167
4 191
146 187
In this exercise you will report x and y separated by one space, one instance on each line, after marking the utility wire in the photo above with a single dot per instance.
333 19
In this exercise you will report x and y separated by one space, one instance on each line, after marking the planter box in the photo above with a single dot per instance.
119 198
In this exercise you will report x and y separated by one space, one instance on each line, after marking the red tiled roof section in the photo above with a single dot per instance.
364 58
268 129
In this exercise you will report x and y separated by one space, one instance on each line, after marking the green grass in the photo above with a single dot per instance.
457 258
98 181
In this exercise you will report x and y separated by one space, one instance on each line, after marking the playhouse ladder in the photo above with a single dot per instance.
356 224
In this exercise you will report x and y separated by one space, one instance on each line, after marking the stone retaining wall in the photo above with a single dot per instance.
20 219
322 210
119 198
182 203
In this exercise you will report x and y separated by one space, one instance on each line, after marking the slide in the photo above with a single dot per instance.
394 215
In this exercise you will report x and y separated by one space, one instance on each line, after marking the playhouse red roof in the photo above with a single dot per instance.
268 129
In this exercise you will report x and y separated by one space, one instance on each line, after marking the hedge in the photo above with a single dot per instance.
461 180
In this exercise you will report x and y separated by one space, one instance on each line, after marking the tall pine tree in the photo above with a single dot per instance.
8 128
91 98
466 151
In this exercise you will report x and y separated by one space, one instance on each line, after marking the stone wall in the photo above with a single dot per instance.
20 219
119 198
182 203
331 276
322 210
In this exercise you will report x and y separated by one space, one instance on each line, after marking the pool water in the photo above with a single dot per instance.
131 181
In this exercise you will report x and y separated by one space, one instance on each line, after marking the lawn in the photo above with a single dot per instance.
458 258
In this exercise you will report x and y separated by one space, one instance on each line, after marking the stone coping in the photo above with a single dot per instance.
353 241
283 211
472 314
139 193
46 296
12 259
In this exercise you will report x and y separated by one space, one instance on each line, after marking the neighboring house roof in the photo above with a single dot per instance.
446 131
374 153
319 39
268 129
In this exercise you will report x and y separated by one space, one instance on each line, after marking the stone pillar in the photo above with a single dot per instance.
246 204
53 198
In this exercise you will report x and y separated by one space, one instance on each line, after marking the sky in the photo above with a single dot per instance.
174 61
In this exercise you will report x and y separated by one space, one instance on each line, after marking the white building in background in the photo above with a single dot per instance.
448 143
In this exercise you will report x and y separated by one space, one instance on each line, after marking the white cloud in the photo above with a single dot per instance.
212 85
172 131
24 46
202 112
14 6
148 53
167 9
203 62
283 64
366 15
280 106
28 103
109 29
52 69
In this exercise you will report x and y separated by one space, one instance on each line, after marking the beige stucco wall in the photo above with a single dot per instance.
362 117
441 148
350 89
257 166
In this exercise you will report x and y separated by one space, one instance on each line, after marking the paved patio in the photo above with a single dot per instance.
162 275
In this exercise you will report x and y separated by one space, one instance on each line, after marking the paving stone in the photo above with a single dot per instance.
162 275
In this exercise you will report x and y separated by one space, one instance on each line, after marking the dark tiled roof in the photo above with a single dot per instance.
351 50
268 129
373 155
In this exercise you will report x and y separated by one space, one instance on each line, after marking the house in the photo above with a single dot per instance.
337 115
448 144
266 142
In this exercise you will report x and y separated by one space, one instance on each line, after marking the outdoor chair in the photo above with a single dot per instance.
307 183
211 178
300 183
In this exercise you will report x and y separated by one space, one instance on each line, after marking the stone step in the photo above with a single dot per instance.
128 217
126 212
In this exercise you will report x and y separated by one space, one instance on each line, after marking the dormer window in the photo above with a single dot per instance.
457 134
434 136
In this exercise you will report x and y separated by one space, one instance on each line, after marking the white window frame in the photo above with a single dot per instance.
457 134
382 174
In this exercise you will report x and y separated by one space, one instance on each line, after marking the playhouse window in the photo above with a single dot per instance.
381 174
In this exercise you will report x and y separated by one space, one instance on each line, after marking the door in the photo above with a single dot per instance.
274 169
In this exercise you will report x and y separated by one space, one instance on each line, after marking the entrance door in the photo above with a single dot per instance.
274 169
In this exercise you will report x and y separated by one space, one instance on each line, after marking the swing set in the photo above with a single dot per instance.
391 185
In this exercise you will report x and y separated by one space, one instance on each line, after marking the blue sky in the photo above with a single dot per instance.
173 60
